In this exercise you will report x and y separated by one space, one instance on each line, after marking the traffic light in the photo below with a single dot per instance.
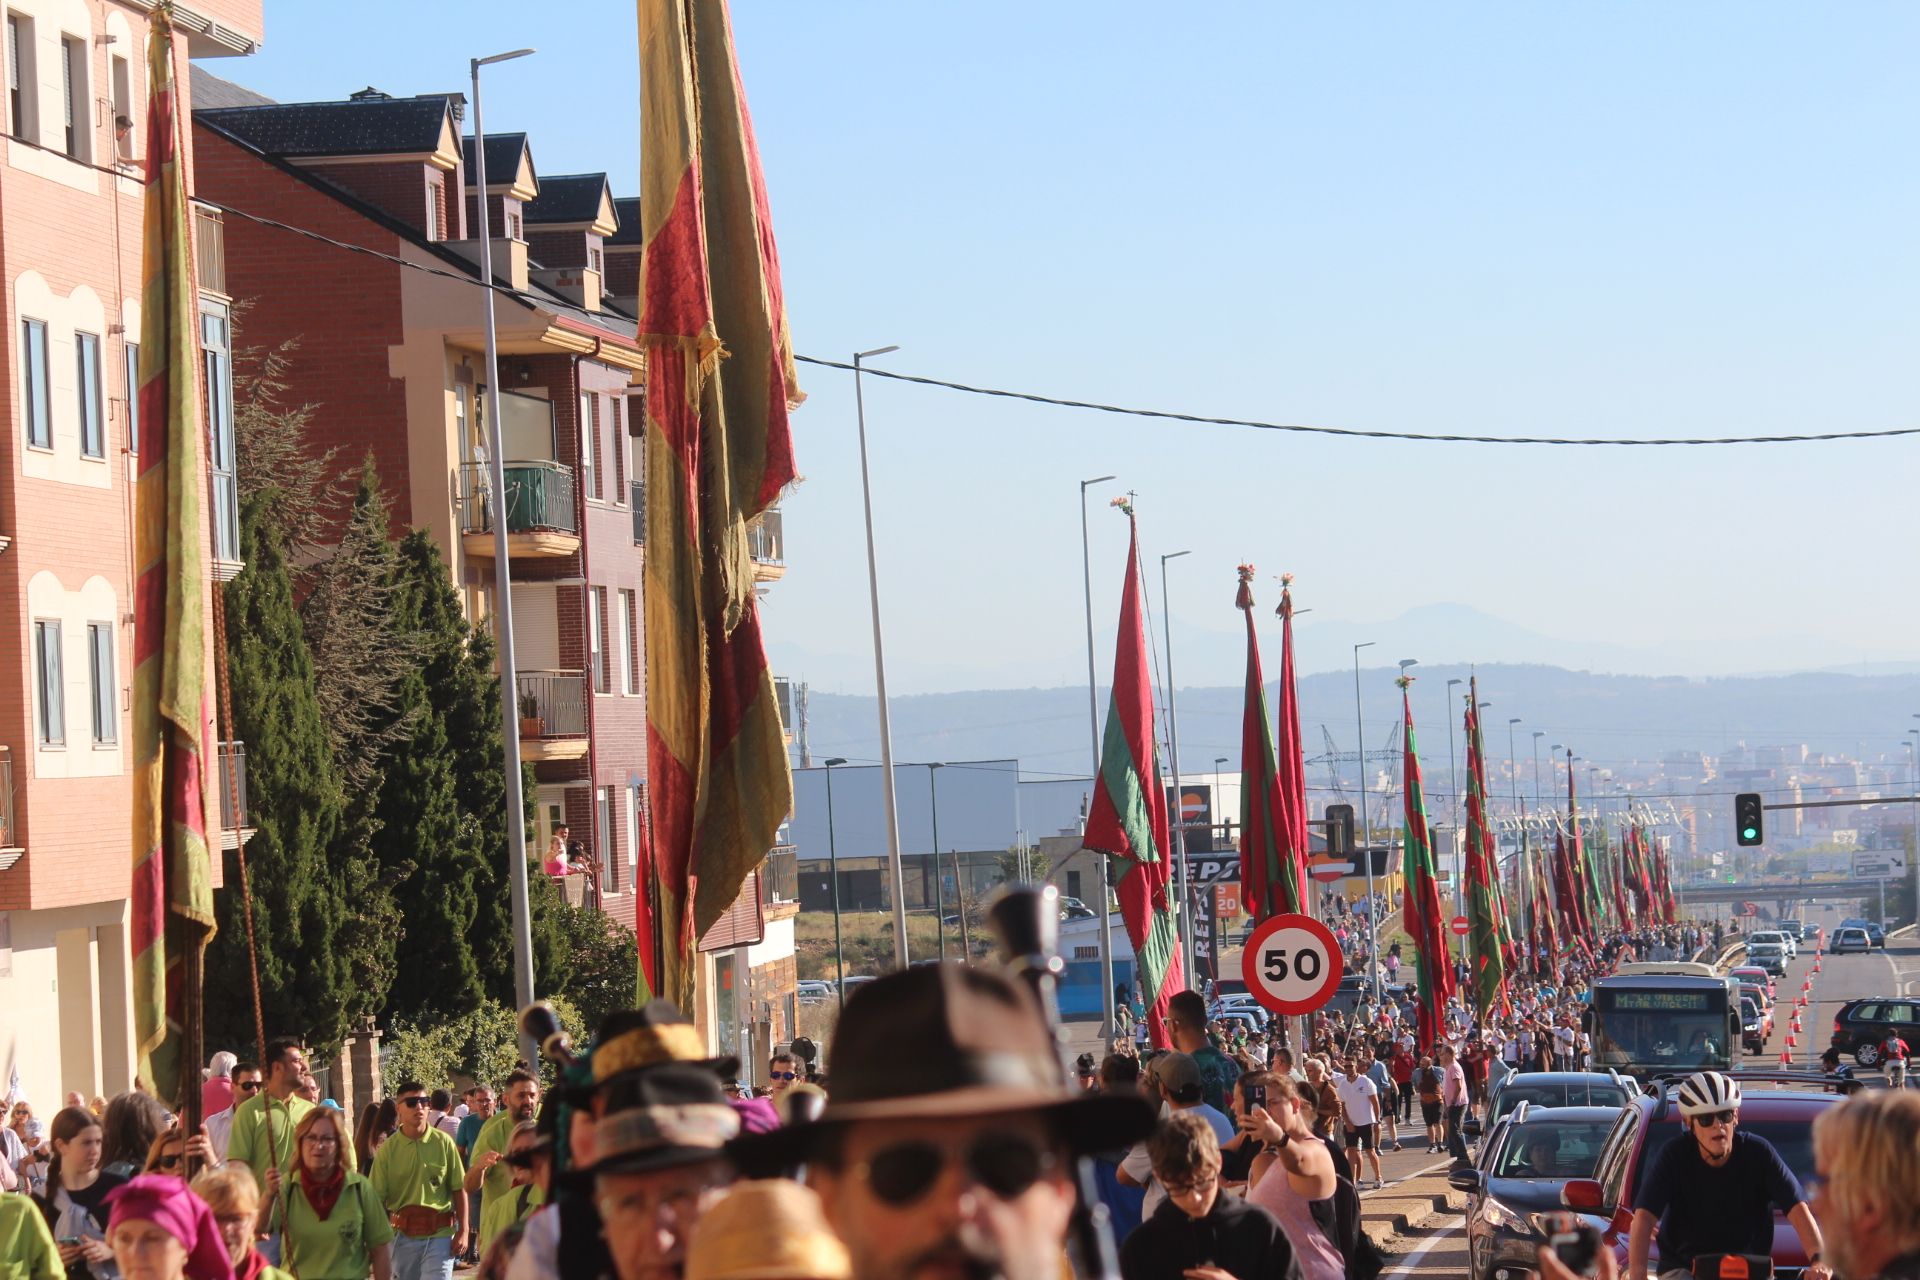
1749 828
1339 831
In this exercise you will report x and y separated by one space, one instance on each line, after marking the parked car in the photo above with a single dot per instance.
1769 956
1850 937
1551 1089
1756 975
813 991
1518 1178
1790 942
1780 1106
1875 933
1862 1026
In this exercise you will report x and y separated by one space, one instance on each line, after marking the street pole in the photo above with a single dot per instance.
1366 827
1453 808
1173 749
1913 854
503 591
887 789
1537 735
833 870
1093 720
939 896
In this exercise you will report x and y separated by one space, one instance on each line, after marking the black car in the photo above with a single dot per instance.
1517 1182
1862 1026
1552 1089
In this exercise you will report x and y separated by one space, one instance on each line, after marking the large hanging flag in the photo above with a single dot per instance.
1273 813
1485 925
720 383
1422 912
1129 814
172 893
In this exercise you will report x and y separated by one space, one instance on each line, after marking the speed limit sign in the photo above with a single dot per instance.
1291 964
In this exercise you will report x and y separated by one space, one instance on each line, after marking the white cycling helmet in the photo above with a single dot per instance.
1705 1092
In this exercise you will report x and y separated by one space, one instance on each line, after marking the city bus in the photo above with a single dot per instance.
1680 1017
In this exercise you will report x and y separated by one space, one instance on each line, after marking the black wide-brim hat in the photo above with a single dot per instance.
659 1103
950 1041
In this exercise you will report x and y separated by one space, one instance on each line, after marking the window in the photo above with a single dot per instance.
636 829
590 444
93 442
122 93
593 258
52 720
214 329
596 643
133 397
73 85
20 101
623 643
35 394
619 451
106 701
607 845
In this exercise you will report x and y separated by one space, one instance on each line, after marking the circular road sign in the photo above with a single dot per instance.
1328 871
1292 964
1460 926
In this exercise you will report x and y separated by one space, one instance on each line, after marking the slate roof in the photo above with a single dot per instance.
503 157
567 197
368 127
627 210
211 92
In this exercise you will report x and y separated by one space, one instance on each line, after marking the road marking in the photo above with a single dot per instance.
1427 1247
1417 1173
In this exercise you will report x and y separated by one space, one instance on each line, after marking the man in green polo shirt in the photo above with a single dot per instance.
486 1173
417 1174
262 1136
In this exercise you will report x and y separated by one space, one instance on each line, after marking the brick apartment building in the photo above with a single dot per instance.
74 120
394 361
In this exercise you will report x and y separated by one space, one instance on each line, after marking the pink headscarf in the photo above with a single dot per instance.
167 1203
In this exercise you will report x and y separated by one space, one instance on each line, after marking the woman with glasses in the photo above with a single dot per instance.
74 1203
235 1204
168 1155
335 1227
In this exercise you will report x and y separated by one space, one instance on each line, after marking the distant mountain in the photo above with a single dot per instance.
1608 720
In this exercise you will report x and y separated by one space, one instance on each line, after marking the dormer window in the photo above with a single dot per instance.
593 257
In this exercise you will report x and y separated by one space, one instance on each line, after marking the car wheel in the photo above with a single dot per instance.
1867 1055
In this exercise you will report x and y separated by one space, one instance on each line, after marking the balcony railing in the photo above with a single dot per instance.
539 498
553 704
780 877
766 541
9 834
210 248
233 786
637 491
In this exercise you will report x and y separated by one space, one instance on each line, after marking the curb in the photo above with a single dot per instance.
1410 1212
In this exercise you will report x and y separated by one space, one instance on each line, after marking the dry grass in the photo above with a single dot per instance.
867 938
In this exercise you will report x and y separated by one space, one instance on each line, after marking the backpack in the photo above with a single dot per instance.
1362 1256
1427 1081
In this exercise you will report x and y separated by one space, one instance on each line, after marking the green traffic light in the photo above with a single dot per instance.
1751 834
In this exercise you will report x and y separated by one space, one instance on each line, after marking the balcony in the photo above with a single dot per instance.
637 493
553 715
539 506
210 249
234 827
767 544
780 875
10 846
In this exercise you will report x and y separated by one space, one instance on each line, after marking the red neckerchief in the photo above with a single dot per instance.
255 1263
322 1196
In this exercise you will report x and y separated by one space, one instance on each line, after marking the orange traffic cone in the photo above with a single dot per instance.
1790 1041
1786 1059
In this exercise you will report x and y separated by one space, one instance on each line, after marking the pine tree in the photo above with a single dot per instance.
294 805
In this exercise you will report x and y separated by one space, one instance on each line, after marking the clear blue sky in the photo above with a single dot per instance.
1633 219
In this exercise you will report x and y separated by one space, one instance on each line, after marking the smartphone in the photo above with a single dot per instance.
68 1240
1577 1247
1256 1096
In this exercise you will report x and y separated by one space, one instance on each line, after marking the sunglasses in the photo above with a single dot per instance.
782 1075
1004 1164
519 1159
1715 1119
413 1102
248 1086
169 1161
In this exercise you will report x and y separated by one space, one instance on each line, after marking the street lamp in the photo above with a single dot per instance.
833 871
887 791
1179 808
1453 808
939 896
502 589
1093 720
1366 829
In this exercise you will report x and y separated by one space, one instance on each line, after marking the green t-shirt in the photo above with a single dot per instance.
251 1143
495 1135
340 1247
1218 1074
507 1210
424 1171
26 1246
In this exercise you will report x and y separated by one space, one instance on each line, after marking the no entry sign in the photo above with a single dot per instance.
1291 964
1460 926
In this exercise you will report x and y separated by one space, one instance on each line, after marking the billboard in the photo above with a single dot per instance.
1193 809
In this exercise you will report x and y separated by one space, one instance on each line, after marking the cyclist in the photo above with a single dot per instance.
1894 1051
1713 1190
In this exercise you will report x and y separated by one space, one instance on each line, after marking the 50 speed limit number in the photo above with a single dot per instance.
1292 964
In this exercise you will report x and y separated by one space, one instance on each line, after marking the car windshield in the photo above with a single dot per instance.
1792 1139
1553 1149
1669 1040
1557 1094
1749 1011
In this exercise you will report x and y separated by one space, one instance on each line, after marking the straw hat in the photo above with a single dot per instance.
770 1230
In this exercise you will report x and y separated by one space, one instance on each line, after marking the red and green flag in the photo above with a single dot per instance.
1273 792
1425 919
1486 922
1129 815
172 888
720 384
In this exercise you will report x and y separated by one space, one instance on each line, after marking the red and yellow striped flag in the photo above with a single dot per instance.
172 871
720 382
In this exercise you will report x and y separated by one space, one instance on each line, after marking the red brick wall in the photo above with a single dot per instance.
557 248
403 189
623 272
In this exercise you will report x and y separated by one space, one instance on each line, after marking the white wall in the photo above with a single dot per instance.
65 1015
93 602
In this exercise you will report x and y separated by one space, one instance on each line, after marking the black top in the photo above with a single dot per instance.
1705 1210
1241 1239
90 1200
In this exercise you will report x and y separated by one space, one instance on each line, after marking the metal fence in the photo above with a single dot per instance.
780 877
539 497
766 538
233 786
557 700
637 491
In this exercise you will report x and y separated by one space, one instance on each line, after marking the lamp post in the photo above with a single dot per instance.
1366 828
502 588
1537 735
1093 721
833 872
1913 855
939 895
1453 807
1179 805
888 793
